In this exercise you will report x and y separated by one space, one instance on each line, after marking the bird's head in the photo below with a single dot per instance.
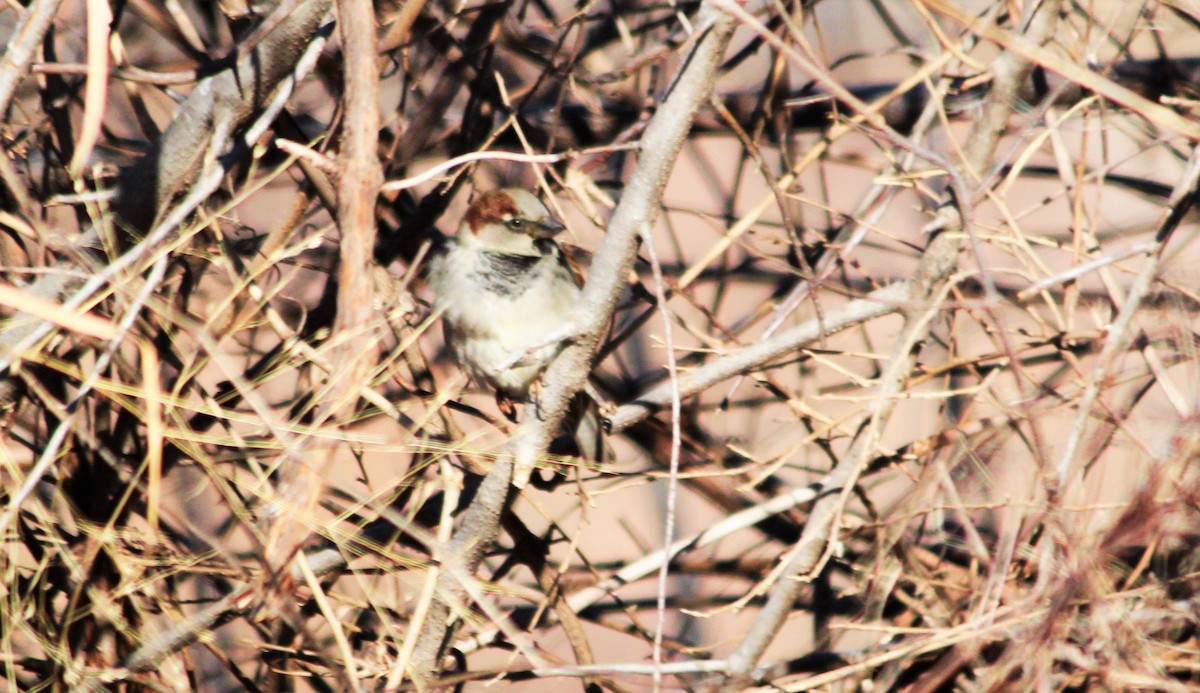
510 220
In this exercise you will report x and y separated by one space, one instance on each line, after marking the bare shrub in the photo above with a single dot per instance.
889 306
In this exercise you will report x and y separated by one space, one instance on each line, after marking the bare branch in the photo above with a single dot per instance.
926 291
760 355
639 205
26 37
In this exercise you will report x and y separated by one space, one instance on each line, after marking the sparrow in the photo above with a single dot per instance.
506 289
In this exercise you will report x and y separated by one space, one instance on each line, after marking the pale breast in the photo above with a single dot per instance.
496 307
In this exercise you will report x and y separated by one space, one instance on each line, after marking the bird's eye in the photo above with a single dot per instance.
515 223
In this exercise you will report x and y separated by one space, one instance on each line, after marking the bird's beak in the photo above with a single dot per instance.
549 228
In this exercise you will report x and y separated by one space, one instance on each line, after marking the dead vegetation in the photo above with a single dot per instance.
894 305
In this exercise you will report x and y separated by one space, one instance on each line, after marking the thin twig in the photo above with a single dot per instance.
660 293
928 287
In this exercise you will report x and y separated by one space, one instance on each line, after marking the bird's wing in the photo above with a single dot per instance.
575 259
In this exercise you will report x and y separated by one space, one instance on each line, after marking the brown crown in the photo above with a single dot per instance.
491 207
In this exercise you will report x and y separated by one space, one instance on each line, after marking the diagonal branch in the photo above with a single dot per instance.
931 282
752 357
22 46
218 105
611 265
613 261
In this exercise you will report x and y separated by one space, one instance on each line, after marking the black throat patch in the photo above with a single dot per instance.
509 275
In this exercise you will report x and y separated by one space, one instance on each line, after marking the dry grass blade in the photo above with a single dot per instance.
889 316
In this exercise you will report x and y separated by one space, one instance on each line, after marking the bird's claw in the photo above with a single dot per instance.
507 407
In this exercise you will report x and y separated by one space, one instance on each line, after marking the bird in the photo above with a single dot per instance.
506 289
